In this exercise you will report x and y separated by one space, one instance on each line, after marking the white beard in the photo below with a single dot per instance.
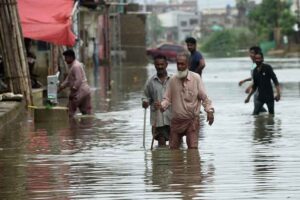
182 74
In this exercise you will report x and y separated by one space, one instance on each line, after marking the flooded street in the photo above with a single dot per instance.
240 156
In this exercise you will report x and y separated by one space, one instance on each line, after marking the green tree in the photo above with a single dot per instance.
228 42
271 14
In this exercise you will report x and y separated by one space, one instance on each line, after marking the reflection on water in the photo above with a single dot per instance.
101 156
265 128
178 172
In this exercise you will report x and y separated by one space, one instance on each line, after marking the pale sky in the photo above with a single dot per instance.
201 3
217 3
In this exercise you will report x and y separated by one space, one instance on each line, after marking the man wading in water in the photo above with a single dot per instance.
154 90
252 52
80 93
185 93
262 76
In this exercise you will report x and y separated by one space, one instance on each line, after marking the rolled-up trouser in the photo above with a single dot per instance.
184 127
163 131
82 102
258 105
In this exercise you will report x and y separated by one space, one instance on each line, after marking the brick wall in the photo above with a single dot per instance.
133 37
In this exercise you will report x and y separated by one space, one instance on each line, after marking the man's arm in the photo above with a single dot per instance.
201 65
249 88
146 97
64 84
167 99
244 80
206 102
276 83
251 93
203 96
278 93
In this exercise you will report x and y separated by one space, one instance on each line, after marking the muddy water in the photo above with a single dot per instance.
240 156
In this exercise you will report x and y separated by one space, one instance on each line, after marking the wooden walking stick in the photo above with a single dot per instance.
144 132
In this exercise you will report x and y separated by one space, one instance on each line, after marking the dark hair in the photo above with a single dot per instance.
256 49
190 40
70 53
159 56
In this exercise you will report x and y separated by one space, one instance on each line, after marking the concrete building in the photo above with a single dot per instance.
179 25
221 18
172 5
296 8
98 32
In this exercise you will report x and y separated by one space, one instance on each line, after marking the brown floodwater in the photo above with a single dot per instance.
102 157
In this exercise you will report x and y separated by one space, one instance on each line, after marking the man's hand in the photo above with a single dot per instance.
73 88
157 105
145 104
241 83
210 118
247 99
59 89
277 97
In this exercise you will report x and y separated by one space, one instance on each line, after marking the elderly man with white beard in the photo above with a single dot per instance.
186 93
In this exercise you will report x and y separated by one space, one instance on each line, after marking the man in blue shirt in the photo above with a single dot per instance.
197 62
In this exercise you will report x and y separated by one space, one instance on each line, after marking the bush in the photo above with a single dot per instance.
228 42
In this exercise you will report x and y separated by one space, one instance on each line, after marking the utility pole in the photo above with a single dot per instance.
12 48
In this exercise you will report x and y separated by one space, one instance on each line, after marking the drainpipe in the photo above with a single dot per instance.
75 23
106 33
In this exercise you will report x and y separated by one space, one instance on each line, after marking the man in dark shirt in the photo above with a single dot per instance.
252 52
197 62
262 76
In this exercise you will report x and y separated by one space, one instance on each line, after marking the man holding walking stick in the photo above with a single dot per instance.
153 93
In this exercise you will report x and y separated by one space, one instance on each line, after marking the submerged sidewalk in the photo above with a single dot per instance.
9 111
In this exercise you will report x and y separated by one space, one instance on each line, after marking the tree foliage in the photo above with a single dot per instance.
228 42
271 14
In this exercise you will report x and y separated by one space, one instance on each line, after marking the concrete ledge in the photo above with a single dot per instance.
9 111
54 114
